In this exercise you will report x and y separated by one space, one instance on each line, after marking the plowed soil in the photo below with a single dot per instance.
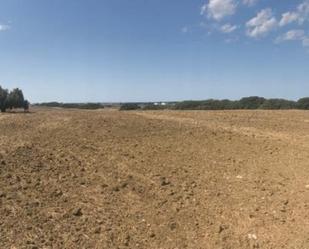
165 179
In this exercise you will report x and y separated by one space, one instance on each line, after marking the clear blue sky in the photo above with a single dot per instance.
151 50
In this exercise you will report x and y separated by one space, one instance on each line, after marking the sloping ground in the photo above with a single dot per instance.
109 179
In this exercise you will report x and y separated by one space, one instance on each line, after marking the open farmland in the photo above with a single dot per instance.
161 179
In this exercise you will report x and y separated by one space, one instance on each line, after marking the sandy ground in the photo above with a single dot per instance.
166 179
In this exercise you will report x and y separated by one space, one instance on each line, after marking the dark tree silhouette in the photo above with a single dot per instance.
3 99
303 103
15 99
12 99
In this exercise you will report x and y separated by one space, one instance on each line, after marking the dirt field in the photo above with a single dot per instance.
110 179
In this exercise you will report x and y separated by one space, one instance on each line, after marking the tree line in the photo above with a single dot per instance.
15 99
12 99
88 106
247 103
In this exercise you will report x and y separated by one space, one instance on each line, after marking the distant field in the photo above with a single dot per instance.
155 179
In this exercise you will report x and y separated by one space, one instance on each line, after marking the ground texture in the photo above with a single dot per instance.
166 179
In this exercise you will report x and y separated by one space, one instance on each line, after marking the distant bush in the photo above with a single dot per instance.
50 104
303 104
129 107
90 106
12 99
188 105
154 107
211 104
214 104
26 105
276 104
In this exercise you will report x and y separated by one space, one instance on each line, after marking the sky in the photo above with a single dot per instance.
154 50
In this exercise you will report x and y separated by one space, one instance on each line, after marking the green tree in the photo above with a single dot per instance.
276 104
15 99
253 102
303 103
3 99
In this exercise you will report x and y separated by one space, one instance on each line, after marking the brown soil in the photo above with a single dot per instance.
166 179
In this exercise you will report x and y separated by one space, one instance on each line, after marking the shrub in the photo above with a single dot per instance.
213 104
90 106
129 107
188 105
50 104
210 104
26 105
154 107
